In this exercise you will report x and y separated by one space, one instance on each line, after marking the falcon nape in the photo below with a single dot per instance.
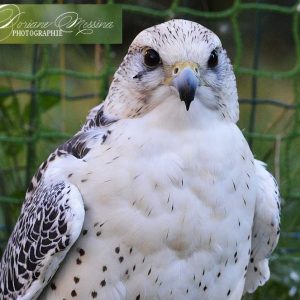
158 196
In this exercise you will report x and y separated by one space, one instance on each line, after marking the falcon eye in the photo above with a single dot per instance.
151 58
213 59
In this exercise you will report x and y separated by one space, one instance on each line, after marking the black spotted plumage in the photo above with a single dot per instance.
41 230
98 119
76 146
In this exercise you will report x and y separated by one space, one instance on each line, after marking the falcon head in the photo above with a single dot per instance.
179 62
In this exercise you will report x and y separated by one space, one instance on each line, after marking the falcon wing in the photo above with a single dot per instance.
50 222
265 230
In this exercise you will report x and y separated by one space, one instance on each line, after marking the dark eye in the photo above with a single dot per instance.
213 59
151 58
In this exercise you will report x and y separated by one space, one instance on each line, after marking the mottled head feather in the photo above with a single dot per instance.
137 89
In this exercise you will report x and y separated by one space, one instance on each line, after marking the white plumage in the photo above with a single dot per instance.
175 206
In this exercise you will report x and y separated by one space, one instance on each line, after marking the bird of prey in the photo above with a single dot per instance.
158 196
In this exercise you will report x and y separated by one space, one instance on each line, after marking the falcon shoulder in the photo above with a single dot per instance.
50 222
265 230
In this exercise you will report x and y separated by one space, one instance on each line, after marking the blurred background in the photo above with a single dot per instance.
46 92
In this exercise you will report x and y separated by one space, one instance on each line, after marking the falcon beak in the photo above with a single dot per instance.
185 80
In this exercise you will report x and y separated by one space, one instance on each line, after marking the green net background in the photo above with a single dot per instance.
46 92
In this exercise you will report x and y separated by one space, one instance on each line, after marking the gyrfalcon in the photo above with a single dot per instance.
158 196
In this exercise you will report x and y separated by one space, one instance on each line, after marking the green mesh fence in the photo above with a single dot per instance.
29 102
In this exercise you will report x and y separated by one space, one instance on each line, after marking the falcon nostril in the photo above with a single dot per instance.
176 70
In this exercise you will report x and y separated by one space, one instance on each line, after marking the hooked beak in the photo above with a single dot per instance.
185 80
